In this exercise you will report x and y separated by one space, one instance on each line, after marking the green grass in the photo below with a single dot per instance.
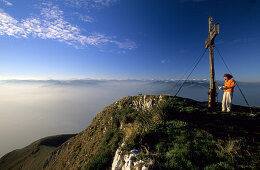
186 136
34 155
104 157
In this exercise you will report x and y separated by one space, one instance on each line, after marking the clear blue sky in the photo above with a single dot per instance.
126 39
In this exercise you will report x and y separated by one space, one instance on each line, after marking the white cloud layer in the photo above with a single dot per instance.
89 3
50 24
7 3
85 18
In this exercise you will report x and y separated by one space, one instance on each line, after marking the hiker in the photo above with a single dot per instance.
228 92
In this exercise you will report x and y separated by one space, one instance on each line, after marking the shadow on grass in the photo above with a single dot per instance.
238 123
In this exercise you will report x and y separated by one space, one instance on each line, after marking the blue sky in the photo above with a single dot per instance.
126 39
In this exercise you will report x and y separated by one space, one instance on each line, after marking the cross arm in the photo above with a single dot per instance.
212 34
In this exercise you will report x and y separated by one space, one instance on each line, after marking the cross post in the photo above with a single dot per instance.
209 43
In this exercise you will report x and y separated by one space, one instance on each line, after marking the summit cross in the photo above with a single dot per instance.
209 43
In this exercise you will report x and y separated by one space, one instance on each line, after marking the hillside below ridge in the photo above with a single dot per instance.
34 155
137 122
88 142
168 132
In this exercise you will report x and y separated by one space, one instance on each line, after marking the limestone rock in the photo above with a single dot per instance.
128 161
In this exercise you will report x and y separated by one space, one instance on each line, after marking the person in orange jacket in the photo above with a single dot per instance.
228 92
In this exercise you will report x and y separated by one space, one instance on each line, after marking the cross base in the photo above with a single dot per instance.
212 99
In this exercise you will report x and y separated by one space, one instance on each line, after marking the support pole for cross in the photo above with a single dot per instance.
209 43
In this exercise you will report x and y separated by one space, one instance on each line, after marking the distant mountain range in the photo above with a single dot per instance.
195 82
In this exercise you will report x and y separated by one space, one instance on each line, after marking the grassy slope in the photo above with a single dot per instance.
34 155
175 132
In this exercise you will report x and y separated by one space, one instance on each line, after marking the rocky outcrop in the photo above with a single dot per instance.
118 160
128 161
146 102
141 102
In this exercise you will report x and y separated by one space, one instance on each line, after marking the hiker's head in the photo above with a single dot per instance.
228 76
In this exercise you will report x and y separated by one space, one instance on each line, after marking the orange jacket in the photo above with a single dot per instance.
229 85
